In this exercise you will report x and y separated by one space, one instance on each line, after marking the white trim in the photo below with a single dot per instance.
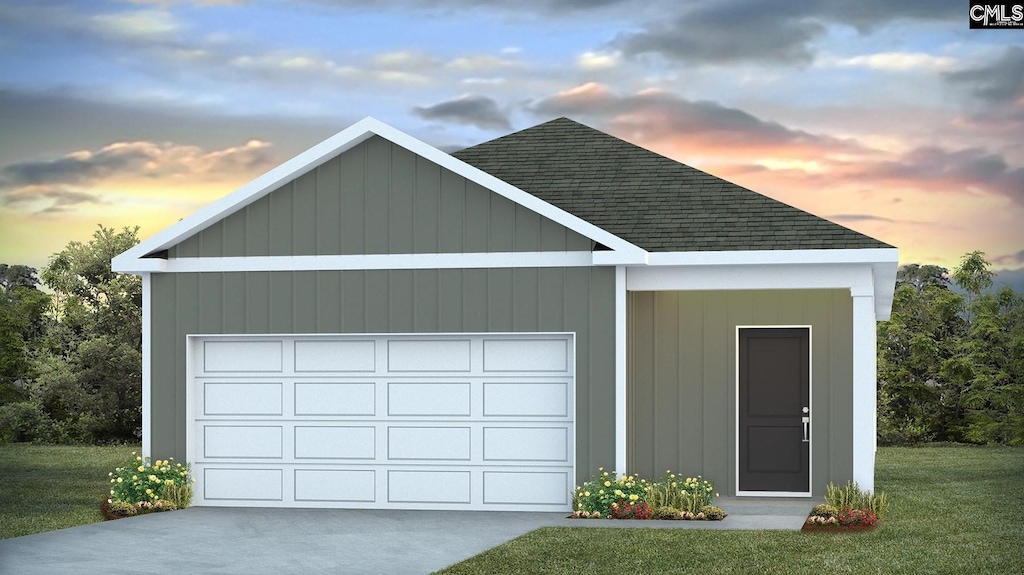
147 365
382 373
620 370
773 257
370 262
864 391
810 402
876 278
337 144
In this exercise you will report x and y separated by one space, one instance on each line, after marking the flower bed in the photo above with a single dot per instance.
848 508
141 487
604 496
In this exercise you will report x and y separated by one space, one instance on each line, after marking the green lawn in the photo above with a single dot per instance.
952 510
47 487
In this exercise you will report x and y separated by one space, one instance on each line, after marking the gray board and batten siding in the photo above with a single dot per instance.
682 379
379 198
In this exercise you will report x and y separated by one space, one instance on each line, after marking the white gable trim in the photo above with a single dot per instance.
132 260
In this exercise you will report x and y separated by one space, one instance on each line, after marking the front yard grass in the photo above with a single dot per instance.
953 509
48 487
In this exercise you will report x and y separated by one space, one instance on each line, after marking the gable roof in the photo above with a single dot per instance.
139 258
647 199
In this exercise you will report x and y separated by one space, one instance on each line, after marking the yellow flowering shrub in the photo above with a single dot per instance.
142 481
599 495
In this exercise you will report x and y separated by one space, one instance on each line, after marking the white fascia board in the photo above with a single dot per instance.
774 257
378 262
335 145
864 271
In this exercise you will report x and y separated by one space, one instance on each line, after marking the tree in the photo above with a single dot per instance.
951 364
22 325
89 375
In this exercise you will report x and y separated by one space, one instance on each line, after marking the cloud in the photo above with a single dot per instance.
930 167
598 60
894 61
474 110
700 126
135 25
766 31
729 32
64 182
1001 81
857 218
49 199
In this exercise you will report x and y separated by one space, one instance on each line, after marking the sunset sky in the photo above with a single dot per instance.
892 118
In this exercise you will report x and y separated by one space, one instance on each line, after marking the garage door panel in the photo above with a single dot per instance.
503 399
426 356
518 355
429 399
242 356
243 484
335 442
429 443
526 488
238 398
526 444
243 441
329 485
429 486
335 356
335 399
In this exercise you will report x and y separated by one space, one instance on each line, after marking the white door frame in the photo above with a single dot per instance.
810 401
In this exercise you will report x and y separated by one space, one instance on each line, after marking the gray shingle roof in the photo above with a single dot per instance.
647 199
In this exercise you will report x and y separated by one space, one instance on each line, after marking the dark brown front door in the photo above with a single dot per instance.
774 390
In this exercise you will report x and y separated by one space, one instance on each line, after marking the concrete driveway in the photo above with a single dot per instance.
306 541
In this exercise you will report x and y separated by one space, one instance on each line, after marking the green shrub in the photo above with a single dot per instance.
140 481
665 512
851 496
669 492
712 513
825 510
178 494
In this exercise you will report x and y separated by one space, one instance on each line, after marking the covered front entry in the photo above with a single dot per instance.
426 421
773 372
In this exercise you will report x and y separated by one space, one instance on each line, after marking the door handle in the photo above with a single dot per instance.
806 420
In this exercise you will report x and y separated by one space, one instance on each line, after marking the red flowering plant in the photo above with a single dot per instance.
857 517
622 509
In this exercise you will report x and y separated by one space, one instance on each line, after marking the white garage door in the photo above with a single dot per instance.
452 421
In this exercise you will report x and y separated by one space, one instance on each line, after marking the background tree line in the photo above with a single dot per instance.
71 359
950 360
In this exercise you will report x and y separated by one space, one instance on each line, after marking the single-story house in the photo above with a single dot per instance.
379 324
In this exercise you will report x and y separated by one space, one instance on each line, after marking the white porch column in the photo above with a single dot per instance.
864 387
147 314
620 369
